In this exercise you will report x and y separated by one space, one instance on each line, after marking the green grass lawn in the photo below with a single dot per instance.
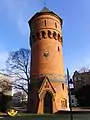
48 117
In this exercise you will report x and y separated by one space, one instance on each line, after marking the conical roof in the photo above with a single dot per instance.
45 10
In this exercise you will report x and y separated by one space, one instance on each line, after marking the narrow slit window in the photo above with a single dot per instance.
55 25
45 22
62 86
58 49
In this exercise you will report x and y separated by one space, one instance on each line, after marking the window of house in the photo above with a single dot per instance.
62 86
82 77
55 25
79 78
75 79
45 22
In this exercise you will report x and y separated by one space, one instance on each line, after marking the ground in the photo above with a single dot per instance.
79 114
49 117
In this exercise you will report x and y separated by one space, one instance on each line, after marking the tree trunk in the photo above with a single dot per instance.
28 100
28 104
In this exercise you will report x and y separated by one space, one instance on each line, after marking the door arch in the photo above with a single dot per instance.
48 103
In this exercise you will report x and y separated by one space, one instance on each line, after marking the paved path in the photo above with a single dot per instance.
80 109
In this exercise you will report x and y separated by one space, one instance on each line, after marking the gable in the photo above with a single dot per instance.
46 85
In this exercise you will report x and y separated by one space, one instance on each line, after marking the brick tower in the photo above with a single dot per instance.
48 89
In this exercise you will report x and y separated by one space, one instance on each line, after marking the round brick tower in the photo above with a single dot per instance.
48 90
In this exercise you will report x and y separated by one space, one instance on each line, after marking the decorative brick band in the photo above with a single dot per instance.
52 77
46 34
50 74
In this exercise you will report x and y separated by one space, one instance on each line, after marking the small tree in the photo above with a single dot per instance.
5 87
83 69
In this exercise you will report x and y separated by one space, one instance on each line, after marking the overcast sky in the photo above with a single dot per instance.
14 30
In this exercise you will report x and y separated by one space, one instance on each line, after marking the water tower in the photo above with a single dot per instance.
48 89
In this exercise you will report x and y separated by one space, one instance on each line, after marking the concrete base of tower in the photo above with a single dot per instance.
49 97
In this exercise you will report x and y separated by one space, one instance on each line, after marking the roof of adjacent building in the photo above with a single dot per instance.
4 74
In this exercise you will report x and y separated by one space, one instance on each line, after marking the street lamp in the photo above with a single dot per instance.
69 92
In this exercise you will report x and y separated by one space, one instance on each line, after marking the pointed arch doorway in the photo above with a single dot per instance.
48 105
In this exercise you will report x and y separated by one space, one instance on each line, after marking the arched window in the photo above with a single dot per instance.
38 35
58 37
55 35
43 34
55 25
49 34
61 39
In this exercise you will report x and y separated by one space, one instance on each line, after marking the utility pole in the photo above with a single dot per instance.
69 92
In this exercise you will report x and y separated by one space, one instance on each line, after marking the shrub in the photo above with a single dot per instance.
5 102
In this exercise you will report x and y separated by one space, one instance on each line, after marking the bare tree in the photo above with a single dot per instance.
18 66
83 69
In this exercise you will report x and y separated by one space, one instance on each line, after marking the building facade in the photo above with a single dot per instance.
5 84
81 79
48 89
